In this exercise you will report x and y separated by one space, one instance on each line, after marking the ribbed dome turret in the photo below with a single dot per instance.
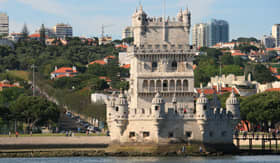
157 99
202 98
174 99
140 12
121 100
232 100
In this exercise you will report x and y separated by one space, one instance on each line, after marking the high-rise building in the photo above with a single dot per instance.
127 33
63 30
268 41
200 35
218 31
276 34
4 24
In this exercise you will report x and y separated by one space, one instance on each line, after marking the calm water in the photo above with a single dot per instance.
235 159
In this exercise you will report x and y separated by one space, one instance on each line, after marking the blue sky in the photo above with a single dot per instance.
246 17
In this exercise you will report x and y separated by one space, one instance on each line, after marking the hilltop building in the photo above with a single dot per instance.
63 31
276 34
160 106
218 32
4 24
200 35
210 34
64 72
268 41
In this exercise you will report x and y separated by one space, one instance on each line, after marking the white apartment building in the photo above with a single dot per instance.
4 24
63 30
199 35
276 34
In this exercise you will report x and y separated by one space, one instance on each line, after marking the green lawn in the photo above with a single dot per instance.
20 74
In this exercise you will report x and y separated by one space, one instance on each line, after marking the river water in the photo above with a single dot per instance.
228 159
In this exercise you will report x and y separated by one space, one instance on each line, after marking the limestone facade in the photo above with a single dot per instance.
160 104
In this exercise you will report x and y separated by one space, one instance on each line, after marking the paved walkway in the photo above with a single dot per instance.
55 140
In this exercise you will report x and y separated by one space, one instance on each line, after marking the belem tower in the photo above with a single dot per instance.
160 105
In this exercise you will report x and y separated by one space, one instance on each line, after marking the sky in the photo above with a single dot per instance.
247 18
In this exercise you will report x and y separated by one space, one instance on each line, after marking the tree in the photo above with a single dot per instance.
261 108
43 35
227 59
259 73
25 32
35 110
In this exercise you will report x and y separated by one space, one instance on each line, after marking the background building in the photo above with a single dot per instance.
48 32
127 33
276 34
199 35
4 24
63 30
268 41
218 31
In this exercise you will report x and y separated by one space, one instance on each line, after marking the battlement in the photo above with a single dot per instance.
162 48
151 30
169 22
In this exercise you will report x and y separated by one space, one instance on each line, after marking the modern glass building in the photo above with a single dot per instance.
218 31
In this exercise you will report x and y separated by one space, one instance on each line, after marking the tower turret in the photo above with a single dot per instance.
232 105
180 16
158 106
110 102
202 106
187 19
121 106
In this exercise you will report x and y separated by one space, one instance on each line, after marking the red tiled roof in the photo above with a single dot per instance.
273 70
110 57
101 62
35 35
127 66
272 49
207 91
278 77
121 46
65 70
273 90
7 85
105 78
210 91
238 54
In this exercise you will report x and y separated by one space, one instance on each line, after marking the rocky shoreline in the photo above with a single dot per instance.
120 151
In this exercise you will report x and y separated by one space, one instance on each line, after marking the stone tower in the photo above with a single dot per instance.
160 105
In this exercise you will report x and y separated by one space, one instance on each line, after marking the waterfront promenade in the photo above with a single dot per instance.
54 142
75 140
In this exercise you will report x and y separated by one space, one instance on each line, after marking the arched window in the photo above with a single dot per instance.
145 85
172 85
154 65
158 85
152 85
117 108
174 65
185 85
143 111
165 85
179 85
